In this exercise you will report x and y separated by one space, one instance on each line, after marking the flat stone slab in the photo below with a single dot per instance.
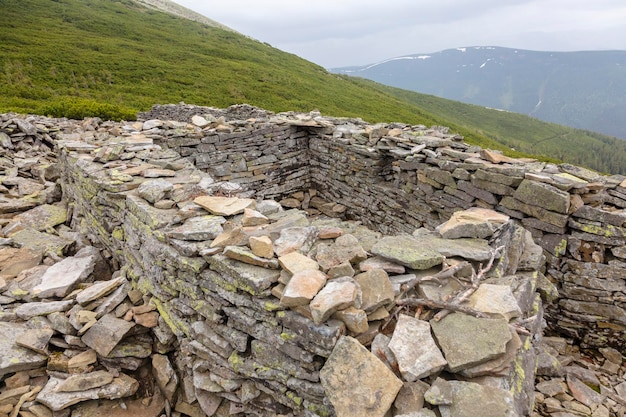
407 251
302 287
99 289
468 399
295 261
154 190
15 358
336 295
250 278
376 289
416 360
475 222
198 228
468 341
30 310
82 382
61 278
356 382
346 248
106 334
543 195
40 218
496 301
225 206
244 255
466 248
120 387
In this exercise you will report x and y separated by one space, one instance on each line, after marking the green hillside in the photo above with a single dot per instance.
113 58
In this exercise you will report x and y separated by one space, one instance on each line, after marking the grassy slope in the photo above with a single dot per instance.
129 56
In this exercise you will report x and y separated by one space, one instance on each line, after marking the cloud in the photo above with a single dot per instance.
353 32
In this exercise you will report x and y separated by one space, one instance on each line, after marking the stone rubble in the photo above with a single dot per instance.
204 297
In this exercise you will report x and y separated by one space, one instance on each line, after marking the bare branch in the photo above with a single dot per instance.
442 305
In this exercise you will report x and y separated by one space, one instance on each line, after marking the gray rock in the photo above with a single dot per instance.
165 376
467 248
543 195
99 289
225 206
106 334
295 239
496 301
14 358
468 341
378 262
120 387
244 255
334 296
415 360
29 310
346 248
154 190
356 382
302 287
410 399
473 223
470 400
82 382
407 251
35 340
376 289
61 278
199 228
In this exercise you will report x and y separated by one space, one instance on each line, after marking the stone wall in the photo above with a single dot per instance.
180 202
396 178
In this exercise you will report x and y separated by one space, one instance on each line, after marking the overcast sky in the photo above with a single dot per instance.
335 33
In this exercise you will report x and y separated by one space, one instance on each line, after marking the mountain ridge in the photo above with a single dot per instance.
579 89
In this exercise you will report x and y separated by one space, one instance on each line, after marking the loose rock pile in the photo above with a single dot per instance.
204 299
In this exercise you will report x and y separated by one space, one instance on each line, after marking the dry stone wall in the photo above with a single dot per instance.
389 228
396 178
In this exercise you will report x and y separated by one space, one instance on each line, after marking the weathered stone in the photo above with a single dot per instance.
334 296
243 255
157 173
198 228
376 289
543 195
344 269
13 261
410 399
154 190
14 358
302 287
253 218
294 262
495 300
82 382
82 361
165 376
415 360
473 223
35 340
355 319
346 248
250 278
120 387
61 278
42 217
295 239
106 334
501 365
467 248
468 341
356 382
378 262
469 399
99 289
262 246
407 251
232 237
29 310
225 206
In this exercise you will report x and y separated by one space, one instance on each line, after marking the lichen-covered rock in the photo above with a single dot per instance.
356 382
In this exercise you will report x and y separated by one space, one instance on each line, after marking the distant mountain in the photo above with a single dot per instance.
579 89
